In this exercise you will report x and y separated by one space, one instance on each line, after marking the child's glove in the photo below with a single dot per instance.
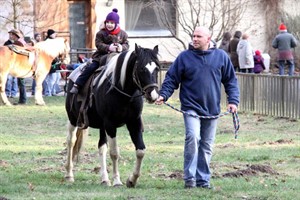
120 48
112 48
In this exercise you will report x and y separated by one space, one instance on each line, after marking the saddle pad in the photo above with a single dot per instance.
76 72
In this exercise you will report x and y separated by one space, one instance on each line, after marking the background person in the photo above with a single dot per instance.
259 65
284 42
52 80
11 87
232 50
225 42
245 55
199 71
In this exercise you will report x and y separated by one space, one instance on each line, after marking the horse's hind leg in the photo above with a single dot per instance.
135 130
38 90
3 79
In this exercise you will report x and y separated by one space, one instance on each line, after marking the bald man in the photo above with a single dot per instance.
199 71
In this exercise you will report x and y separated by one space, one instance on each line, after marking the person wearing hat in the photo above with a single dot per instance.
16 37
284 42
51 34
259 65
11 87
110 39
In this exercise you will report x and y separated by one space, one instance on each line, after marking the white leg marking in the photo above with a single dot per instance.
114 155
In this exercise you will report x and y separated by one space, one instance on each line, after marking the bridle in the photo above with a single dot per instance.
137 82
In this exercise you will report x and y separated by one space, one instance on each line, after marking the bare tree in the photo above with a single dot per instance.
218 15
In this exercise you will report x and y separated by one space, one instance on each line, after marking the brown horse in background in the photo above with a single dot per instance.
35 63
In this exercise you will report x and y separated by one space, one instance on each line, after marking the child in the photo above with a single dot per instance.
259 65
108 40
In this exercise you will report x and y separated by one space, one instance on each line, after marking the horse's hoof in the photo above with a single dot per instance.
69 179
118 185
40 104
105 183
130 184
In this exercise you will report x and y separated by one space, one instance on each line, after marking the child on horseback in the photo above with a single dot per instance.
109 39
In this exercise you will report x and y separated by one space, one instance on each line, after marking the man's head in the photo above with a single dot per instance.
201 38
14 34
37 37
282 28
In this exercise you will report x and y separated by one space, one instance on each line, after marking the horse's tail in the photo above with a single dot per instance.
81 136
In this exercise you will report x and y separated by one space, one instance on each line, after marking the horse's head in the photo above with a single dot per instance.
145 75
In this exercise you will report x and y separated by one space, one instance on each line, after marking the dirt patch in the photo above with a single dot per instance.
173 175
3 164
280 141
252 170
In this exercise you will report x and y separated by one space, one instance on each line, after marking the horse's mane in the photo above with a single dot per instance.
111 69
53 47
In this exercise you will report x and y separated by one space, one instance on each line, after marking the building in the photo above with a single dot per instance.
79 20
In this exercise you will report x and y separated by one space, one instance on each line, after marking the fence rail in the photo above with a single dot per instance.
272 95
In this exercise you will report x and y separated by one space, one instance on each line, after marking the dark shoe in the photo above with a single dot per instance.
207 187
19 103
189 186
74 89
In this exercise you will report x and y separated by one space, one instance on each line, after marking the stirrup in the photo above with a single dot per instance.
74 89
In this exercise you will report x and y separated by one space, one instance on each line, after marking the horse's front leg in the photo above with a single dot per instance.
114 155
3 79
69 177
135 130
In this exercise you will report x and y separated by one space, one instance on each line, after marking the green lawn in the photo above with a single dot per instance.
32 156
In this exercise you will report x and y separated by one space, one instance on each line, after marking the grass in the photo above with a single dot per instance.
32 144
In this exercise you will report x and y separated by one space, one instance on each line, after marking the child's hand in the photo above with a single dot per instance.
119 48
113 47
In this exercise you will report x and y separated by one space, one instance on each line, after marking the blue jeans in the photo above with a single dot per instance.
199 140
11 87
291 65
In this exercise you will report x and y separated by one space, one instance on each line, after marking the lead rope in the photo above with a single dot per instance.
235 117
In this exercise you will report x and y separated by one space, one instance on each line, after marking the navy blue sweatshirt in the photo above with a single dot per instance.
200 75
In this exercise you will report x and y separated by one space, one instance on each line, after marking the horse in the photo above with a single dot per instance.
118 94
35 63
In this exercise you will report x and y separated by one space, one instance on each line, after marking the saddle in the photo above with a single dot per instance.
85 94
29 52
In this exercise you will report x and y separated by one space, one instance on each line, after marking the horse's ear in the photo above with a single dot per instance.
155 49
136 47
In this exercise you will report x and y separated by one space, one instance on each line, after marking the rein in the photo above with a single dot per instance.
235 117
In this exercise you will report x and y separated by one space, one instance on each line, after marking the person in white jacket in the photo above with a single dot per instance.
245 54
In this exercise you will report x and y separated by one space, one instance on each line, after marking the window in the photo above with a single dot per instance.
150 18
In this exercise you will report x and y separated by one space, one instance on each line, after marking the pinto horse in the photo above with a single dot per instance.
117 99
36 63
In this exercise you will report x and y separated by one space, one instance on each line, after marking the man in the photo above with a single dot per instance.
284 42
19 40
199 71
11 87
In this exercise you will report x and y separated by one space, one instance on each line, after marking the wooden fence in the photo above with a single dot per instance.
264 94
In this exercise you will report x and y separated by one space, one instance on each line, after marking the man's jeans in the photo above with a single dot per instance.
11 87
199 140
291 65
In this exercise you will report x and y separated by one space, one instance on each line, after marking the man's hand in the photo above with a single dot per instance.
159 100
232 108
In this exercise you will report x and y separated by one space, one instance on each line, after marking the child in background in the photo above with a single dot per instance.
259 65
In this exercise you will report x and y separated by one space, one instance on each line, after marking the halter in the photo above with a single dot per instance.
137 82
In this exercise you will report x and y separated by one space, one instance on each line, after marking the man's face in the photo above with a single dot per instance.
13 37
201 39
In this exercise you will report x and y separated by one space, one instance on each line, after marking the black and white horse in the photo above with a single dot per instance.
117 100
